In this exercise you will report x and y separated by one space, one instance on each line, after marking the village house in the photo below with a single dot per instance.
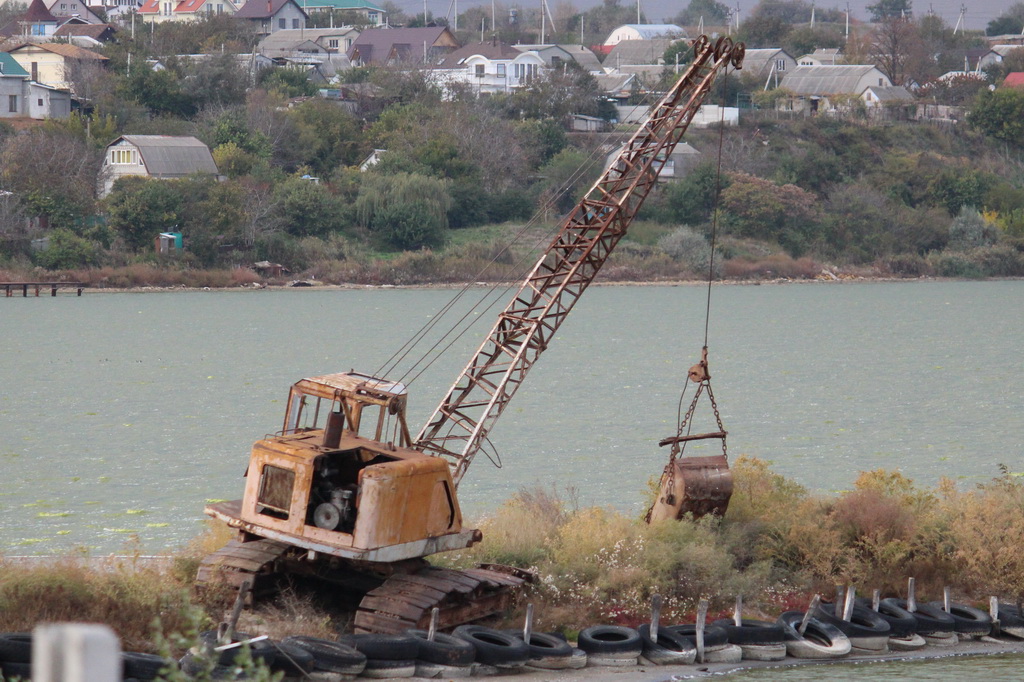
383 46
20 97
309 41
488 68
644 32
370 13
86 35
36 22
815 87
153 156
273 15
78 9
55 64
768 64
556 55
158 11
637 52
823 56
683 158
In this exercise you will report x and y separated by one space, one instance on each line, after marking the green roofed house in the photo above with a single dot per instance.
12 87
375 14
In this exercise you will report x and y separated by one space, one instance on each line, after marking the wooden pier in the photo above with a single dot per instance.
11 287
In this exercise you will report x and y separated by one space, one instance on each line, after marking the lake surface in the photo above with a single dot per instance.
122 414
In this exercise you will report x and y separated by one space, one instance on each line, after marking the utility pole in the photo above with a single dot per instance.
847 21
959 19
812 15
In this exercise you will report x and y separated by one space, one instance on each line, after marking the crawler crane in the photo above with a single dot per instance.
328 496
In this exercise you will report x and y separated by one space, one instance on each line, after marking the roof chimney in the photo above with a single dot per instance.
270 9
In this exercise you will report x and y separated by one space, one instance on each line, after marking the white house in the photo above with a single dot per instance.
812 86
769 64
154 156
489 67
644 32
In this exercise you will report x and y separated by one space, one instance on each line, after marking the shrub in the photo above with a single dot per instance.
955 265
908 265
67 250
685 245
969 229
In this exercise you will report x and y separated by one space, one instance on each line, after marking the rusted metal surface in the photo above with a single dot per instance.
586 238
238 561
698 485
407 601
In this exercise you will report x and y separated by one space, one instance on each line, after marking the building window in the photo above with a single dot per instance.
879 82
63 6
333 43
39 101
12 104
120 156
373 17
501 70
479 70
295 23
281 24
780 64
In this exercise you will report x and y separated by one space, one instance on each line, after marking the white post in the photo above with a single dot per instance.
528 625
876 598
737 614
75 652
993 610
851 593
911 601
432 629
945 599
702 616
655 616
809 613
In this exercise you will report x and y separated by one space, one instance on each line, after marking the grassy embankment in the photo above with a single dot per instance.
777 545
481 254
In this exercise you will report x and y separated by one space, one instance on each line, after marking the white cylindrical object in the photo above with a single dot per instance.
75 652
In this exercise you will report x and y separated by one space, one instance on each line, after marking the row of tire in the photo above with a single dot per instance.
471 647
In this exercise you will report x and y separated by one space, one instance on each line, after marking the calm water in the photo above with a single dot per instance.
121 414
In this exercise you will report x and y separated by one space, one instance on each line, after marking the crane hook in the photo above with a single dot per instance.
699 372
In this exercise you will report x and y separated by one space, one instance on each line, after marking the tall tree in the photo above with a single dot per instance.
887 9
713 13
893 42
1010 21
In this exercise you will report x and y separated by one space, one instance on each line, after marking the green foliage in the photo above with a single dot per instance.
328 136
680 52
406 210
692 248
969 230
566 177
1010 21
955 188
758 208
138 209
1000 114
287 81
161 92
712 12
232 127
67 250
888 9
306 208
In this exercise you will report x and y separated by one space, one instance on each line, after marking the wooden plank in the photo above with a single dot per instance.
395 607
366 621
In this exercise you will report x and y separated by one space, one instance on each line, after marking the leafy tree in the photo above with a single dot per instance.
889 9
1000 114
713 13
406 210
289 82
232 127
67 250
955 188
213 216
691 200
566 177
1010 21
970 230
161 92
306 208
804 39
328 136
139 208
215 80
758 208
53 170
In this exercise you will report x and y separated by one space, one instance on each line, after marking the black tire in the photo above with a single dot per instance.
387 668
494 647
669 649
1009 616
752 631
819 640
293 660
863 622
901 622
930 620
444 650
331 657
543 645
384 647
16 647
15 670
609 640
714 636
144 667
261 651
967 620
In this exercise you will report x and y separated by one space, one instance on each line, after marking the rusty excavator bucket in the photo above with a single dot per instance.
694 485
